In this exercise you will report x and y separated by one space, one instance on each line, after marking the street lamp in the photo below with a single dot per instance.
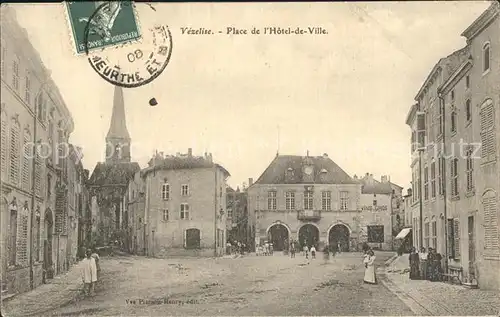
33 175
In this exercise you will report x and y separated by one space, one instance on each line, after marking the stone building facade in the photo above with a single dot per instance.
185 206
33 218
456 175
310 199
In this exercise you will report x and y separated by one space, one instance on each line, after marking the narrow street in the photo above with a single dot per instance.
251 285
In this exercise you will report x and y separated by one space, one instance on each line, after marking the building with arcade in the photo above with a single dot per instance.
311 200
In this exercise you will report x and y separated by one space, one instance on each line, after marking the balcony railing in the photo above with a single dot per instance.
309 214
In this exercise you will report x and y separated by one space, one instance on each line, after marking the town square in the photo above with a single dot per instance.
250 159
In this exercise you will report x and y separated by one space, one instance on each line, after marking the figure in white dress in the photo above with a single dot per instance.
369 260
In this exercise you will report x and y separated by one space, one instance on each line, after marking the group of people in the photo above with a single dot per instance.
265 249
236 247
91 271
425 265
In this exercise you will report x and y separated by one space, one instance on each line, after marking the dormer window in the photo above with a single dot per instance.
289 173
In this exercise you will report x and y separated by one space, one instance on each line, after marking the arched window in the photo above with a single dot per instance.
4 138
490 207
192 238
486 57
15 147
27 153
487 118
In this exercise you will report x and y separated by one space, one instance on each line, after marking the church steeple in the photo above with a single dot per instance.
118 138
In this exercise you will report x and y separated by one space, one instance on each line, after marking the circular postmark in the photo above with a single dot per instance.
120 54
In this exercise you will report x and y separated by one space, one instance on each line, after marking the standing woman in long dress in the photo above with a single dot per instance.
370 268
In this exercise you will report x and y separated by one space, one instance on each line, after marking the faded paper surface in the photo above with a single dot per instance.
237 84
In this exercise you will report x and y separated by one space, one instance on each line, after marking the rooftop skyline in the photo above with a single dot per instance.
346 93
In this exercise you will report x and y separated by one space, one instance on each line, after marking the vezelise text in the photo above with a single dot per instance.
269 30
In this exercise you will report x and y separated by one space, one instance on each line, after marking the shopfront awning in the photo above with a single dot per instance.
403 233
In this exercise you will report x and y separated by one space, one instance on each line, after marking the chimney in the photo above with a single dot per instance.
250 182
409 191
325 155
383 178
355 176
190 152
210 157
367 174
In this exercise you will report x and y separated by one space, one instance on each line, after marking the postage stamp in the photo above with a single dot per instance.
99 24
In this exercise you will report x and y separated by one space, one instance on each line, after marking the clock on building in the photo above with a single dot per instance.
308 170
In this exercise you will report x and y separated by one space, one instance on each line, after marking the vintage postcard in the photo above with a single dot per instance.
250 159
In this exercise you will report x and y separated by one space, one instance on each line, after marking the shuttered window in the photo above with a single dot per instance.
469 170
456 238
441 169
3 144
38 174
491 224
15 149
454 177
487 117
451 240
26 161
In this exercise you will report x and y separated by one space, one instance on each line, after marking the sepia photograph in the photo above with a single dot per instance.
250 158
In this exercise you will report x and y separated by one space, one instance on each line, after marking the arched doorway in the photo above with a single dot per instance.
47 244
339 235
308 235
278 236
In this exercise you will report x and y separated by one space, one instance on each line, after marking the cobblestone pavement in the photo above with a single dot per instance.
439 298
62 290
274 285
443 299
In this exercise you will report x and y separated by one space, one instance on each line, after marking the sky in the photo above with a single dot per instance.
246 97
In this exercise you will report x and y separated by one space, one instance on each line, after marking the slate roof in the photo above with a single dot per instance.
181 162
277 170
113 173
375 187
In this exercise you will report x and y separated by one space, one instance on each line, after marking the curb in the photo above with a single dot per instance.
417 308
391 260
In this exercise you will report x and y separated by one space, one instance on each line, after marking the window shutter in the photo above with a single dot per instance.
491 223
3 142
14 154
488 140
456 236
451 241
